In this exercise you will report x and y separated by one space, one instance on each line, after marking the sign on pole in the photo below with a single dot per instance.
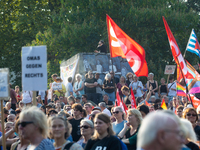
169 69
4 94
34 68
4 83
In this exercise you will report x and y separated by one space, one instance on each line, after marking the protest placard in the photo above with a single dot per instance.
34 68
169 69
57 86
4 83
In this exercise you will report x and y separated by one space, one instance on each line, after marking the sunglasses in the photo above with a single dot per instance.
23 124
115 112
85 127
194 115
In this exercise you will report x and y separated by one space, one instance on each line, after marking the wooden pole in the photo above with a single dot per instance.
2 126
34 98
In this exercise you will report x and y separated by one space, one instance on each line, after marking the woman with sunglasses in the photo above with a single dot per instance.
59 130
130 130
191 115
87 129
22 144
118 114
33 127
103 137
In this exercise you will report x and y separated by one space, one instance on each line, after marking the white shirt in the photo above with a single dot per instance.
42 94
98 89
134 86
172 92
27 96
106 111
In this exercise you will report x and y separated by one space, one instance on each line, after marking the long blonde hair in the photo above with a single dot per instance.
105 118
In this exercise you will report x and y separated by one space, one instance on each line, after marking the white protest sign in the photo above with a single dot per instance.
169 69
57 86
4 83
34 68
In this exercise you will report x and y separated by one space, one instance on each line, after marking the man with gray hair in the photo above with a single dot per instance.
102 105
160 131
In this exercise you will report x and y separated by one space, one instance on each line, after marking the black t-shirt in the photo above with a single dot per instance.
192 146
90 90
102 48
128 135
197 131
108 84
107 143
76 134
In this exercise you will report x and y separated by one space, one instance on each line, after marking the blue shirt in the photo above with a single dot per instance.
118 127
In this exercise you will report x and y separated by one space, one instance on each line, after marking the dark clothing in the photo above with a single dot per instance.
90 90
13 96
163 89
153 85
102 48
107 143
92 97
128 82
132 139
116 80
106 83
13 106
109 103
192 146
127 101
76 134
197 131
119 86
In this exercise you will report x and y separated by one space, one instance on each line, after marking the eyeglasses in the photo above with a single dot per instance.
92 115
85 127
193 115
115 112
23 124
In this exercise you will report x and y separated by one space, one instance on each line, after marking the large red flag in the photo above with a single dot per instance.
133 101
175 50
122 45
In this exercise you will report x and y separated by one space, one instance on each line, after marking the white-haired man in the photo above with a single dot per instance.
160 131
102 105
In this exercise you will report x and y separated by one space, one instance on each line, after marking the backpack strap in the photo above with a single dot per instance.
67 146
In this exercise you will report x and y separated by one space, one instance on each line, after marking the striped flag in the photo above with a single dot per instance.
180 90
193 44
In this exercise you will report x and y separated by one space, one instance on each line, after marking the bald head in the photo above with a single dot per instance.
159 128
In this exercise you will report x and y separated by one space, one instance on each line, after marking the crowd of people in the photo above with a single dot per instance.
84 115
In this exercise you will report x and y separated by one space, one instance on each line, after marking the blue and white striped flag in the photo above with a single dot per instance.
193 44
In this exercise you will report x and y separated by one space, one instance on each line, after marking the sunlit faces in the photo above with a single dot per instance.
131 119
57 128
117 113
86 129
191 116
100 126
27 128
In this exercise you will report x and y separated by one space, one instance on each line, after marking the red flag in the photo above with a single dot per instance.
133 101
176 110
195 101
146 103
122 45
175 50
121 103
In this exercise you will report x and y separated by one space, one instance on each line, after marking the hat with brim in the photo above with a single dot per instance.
58 78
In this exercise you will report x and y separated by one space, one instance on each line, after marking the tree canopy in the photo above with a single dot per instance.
69 27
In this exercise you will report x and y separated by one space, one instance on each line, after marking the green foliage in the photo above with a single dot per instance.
70 27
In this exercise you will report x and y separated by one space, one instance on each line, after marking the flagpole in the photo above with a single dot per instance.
187 45
184 82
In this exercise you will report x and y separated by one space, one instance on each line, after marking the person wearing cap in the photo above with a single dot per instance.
61 91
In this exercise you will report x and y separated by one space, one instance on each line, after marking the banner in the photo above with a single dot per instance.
68 71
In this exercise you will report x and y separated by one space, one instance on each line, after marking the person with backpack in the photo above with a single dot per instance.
59 130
